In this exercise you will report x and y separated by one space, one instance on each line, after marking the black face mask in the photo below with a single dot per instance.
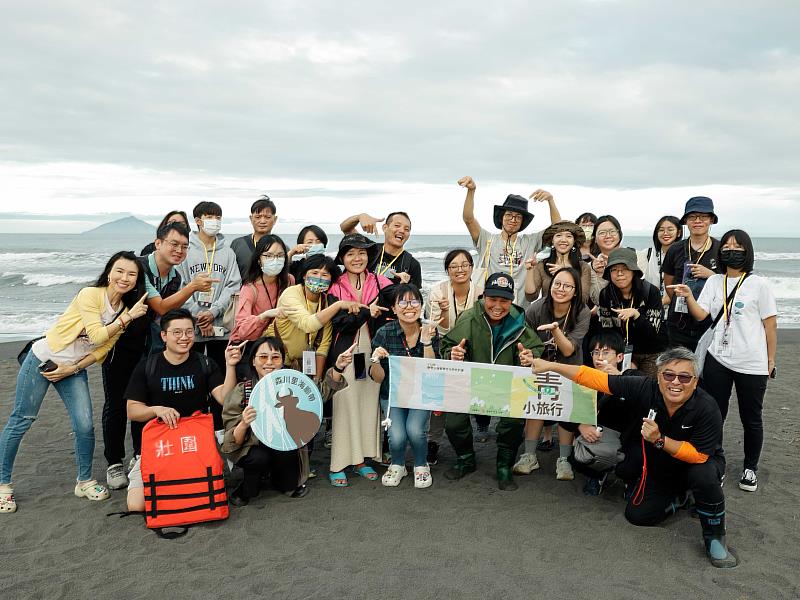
735 259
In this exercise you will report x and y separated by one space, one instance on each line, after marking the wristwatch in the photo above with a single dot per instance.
659 443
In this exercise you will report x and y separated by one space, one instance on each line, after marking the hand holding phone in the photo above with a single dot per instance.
47 366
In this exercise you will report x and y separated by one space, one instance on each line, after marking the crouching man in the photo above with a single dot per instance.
682 445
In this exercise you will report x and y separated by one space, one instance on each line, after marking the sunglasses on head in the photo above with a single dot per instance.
682 377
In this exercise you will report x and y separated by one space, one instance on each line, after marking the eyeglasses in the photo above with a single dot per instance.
682 377
602 353
608 233
511 216
178 246
698 217
269 357
461 267
567 287
269 256
670 230
406 303
620 270
180 333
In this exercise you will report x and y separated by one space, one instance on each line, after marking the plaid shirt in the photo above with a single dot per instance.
392 338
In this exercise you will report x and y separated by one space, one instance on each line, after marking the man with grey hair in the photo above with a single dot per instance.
679 449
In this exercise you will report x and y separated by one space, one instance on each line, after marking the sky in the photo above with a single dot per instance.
622 107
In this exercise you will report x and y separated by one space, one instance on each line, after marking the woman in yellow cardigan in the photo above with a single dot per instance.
82 336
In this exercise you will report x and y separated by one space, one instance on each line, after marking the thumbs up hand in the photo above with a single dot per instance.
459 352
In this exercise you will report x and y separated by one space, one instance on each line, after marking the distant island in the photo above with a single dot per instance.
126 226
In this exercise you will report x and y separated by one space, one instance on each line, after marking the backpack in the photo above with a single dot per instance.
182 473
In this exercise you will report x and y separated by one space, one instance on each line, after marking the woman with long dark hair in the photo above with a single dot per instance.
561 320
632 306
667 231
81 336
606 236
267 277
745 341
565 239
586 221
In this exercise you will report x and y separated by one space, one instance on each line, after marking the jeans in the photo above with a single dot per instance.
409 425
31 389
750 389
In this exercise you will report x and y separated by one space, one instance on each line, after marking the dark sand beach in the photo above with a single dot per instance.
455 540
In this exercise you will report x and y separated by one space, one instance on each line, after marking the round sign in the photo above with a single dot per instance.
288 410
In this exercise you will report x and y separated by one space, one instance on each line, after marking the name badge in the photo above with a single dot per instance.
723 349
627 357
309 363
680 305
206 297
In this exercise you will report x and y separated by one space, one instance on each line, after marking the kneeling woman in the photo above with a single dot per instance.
82 336
288 470
404 337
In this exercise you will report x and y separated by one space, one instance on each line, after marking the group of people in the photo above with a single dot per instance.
195 321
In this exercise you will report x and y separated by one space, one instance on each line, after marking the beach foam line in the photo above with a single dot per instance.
51 279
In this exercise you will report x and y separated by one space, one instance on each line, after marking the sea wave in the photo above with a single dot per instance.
51 279
785 288
777 256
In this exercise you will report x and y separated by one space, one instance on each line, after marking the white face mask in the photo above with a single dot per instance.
212 226
587 231
272 266
315 249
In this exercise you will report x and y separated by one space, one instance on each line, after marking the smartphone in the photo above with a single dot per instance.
47 366
774 373
360 365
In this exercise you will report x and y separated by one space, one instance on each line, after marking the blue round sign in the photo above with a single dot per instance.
288 409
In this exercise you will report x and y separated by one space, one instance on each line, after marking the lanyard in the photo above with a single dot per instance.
210 265
706 246
386 268
628 324
455 303
511 256
403 340
727 303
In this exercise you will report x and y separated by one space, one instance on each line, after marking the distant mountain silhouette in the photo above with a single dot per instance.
126 226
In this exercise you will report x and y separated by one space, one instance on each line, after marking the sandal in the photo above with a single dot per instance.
366 472
91 490
338 479
7 502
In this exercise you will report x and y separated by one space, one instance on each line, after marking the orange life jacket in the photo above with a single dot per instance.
182 473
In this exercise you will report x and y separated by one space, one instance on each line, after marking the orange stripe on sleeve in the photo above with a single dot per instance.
688 453
594 379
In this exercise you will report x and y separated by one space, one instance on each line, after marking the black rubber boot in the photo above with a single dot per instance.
712 520
465 464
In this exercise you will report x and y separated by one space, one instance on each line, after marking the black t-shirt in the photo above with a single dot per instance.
406 263
184 387
698 421
673 264
646 334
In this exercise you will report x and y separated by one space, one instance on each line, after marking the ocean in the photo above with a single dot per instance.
41 273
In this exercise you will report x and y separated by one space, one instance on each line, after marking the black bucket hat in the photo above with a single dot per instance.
356 240
622 256
699 204
514 203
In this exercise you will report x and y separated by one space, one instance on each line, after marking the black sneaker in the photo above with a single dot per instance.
749 481
594 485
433 453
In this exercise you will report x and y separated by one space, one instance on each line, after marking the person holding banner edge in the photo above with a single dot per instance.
493 331
680 449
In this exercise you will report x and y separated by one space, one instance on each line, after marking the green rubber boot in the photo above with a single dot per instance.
465 464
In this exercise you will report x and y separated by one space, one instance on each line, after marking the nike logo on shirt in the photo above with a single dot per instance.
686 426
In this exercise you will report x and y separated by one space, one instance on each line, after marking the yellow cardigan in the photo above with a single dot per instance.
297 328
84 313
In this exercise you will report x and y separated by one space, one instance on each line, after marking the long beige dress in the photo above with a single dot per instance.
356 415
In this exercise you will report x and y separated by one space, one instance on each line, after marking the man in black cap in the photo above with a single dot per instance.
493 331
690 262
508 251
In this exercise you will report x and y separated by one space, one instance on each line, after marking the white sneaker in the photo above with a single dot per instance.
91 490
394 474
526 464
132 462
7 502
564 469
422 477
749 481
115 477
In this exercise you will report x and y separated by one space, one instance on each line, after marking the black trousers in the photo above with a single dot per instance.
718 381
214 350
117 369
661 489
284 469
687 338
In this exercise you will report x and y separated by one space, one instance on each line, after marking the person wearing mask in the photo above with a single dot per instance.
310 241
745 340
493 332
668 230
173 216
287 470
356 410
508 250
266 278
405 336
632 306
210 255
606 236
448 299
564 240
691 262
81 336
586 221
263 216
561 320
392 261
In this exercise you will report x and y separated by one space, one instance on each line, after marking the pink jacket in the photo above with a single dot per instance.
254 300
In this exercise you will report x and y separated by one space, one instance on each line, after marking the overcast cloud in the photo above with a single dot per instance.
592 98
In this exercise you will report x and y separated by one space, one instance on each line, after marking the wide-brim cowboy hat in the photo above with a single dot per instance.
568 226
514 203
